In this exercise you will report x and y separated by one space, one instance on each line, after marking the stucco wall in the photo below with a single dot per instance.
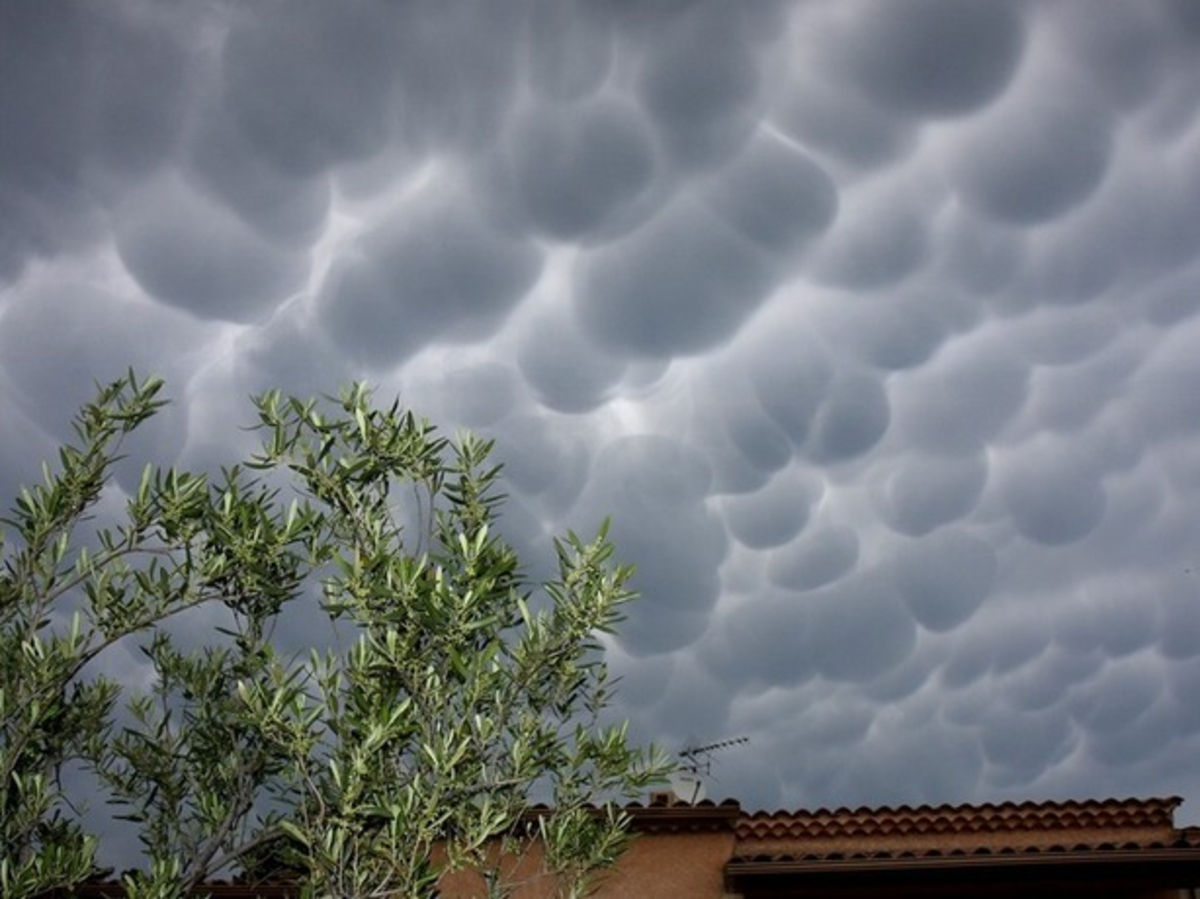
665 866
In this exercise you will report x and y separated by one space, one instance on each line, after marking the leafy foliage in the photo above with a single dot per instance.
449 695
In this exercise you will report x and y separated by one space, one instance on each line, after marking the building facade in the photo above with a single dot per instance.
1112 849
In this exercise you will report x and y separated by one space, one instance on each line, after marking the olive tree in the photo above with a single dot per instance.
443 693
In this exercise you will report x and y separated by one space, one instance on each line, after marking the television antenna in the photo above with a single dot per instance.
697 761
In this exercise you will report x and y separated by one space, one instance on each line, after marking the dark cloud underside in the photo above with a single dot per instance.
871 323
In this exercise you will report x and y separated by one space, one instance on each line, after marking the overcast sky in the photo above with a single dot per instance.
874 325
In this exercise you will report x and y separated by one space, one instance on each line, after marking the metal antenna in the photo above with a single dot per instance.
698 759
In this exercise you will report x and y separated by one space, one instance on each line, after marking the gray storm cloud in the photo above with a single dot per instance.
700 80
923 491
1052 499
821 557
578 173
660 485
280 206
870 323
772 515
1053 157
190 253
568 372
933 58
89 327
679 286
944 578
858 628
432 272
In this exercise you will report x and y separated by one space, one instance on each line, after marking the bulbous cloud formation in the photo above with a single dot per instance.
872 324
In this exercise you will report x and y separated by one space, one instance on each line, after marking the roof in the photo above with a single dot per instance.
997 827
677 817
1117 839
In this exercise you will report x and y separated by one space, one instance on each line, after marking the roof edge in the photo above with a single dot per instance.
1188 857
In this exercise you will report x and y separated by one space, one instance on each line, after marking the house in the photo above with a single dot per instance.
1129 849
1113 849
1118 849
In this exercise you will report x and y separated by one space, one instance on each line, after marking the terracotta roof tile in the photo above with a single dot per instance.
988 828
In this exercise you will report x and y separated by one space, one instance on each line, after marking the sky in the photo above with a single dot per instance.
874 325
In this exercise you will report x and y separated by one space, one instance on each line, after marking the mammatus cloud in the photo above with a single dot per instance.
430 272
871 324
195 254
932 58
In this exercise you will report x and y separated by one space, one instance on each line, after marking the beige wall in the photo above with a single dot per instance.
665 866
672 866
